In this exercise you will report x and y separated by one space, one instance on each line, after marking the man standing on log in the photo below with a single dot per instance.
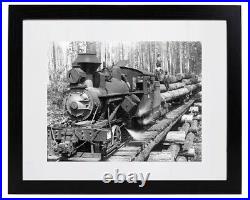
158 70
166 80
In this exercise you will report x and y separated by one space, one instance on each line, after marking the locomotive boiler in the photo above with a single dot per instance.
100 105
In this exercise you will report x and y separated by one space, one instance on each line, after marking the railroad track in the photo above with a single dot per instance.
139 150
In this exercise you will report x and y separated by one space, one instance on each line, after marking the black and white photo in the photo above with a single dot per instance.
124 101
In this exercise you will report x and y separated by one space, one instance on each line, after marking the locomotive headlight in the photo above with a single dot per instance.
79 104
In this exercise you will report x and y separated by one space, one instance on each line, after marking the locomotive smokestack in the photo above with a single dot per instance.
89 63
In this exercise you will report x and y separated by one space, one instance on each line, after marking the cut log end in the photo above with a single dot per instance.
181 159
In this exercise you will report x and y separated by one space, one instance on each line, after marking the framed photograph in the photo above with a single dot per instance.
124 99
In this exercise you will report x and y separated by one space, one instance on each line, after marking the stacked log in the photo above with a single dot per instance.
193 87
179 85
172 86
174 94
171 118
190 81
172 79
182 76
179 77
184 137
171 95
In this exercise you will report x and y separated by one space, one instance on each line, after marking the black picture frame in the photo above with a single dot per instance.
232 15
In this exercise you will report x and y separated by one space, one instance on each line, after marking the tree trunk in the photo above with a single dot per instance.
170 59
150 57
188 57
122 56
181 55
54 57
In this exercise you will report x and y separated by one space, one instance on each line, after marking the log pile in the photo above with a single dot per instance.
179 145
179 81
171 117
178 86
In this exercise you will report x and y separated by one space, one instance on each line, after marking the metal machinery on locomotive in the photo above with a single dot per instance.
100 104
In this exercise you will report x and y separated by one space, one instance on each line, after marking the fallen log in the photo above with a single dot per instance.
187 118
119 159
172 79
189 153
162 156
190 81
176 137
174 94
181 159
181 76
181 92
178 113
175 86
194 109
194 126
168 155
193 87
172 86
189 141
174 150
185 127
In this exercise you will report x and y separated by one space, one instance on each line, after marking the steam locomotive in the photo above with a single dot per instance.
100 106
